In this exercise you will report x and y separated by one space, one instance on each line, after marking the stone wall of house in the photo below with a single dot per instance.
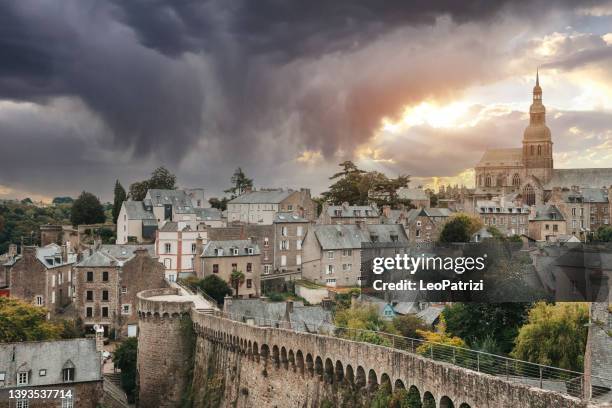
85 395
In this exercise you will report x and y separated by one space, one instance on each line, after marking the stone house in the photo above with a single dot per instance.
289 231
421 225
260 206
138 220
547 223
43 277
221 258
510 217
65 365
107 281
585 209
333 255
349 214
175 247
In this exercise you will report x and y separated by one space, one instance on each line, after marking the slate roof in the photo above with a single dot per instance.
51 251
52 356
212 247
430 314
135 210
113 255
208 214
159 197
502 157
351 236
437 212
349 211
587 195
595 178
262 197
548 212
412 194
282 217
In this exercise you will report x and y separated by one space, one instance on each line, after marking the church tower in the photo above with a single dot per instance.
537 141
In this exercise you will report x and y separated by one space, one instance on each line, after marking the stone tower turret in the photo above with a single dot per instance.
537 140
164 347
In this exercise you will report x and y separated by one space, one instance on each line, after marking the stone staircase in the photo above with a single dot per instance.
114 397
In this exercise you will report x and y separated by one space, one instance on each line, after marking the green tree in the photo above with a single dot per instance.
120 197
360 323
240 183
87 210
460 228
124 357
21 321
220 204
216 288
554 335
237 279
408 325
475 322
604 233
161 178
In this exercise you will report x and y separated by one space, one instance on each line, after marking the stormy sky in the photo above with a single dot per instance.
93 91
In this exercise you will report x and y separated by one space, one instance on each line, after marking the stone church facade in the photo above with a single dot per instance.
528 171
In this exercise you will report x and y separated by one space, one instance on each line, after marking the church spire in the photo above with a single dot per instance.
538 76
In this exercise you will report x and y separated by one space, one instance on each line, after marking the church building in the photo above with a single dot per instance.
528 171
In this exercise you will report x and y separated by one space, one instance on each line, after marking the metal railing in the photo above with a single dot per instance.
197 291
532 374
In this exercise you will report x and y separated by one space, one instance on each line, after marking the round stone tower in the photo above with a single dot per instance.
164 347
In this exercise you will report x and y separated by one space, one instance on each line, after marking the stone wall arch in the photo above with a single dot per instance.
360 378
372 380
283 358
349 375
291 359
428 400
446 402
465 405
329 371
275 356
385 382
339 372
309 364
318 367
299 361
399 385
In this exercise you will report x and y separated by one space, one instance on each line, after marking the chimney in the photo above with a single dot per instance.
64 252
28 251
386 210
197 262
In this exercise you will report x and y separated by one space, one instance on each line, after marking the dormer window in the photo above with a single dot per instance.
338 213
235 251
23 378
374 238
357 213
250 251
394 238
68 374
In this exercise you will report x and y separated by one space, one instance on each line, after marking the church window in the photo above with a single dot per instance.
529 194
516 180
532 150
488 181
539 150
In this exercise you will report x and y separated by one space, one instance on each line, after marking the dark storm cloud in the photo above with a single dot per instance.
165 78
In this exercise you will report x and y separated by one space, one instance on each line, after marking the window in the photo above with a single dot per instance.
546 227
235 251
89 312
249 267
417 233
298 259
330 269
249 283
300 231
105 311
193 248
330 254
284 231
167 248
42 373
266 242
419 223
105 295
574 211
267 269
53 281
39 300
67 403
215 268
330 282
289 207
124 289
53 297
22 403
298 245
357 213
284 245
105 276
89 296
555 228
68 374
338 213
283 260
22 378
539 150
168 263
126 309
250 251
347 252
90 276
346 267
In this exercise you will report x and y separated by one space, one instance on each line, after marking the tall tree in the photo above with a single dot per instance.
124 357
138 190
120 197
220 204
460 228
554 335
240 183
87 210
